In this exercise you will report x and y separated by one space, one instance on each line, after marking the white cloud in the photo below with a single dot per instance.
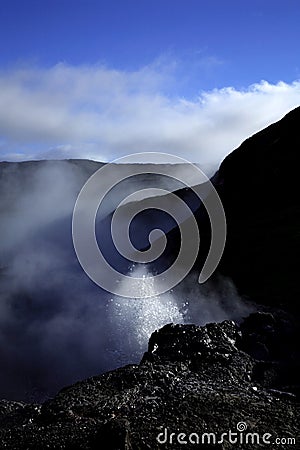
94 112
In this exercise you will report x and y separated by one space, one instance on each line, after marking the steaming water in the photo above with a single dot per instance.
56 326
133 320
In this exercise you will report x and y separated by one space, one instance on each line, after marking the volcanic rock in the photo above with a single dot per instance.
192 380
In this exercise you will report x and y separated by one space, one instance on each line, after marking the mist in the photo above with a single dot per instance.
135 319
100 113
56 325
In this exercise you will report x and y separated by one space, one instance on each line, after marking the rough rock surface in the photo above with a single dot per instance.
191 380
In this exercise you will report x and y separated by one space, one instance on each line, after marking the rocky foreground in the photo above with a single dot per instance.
223 385
219 378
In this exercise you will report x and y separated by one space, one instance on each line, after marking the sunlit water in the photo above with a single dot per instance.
134 320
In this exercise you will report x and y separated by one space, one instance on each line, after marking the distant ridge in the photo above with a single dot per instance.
259 186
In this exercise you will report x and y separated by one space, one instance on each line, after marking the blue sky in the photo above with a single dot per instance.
224 43
170 69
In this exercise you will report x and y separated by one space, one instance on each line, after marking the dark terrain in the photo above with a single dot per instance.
205 379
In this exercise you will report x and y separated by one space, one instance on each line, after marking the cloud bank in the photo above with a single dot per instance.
99 113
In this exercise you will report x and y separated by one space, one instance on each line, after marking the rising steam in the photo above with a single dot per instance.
56 326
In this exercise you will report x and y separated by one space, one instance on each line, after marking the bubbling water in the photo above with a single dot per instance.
134 320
